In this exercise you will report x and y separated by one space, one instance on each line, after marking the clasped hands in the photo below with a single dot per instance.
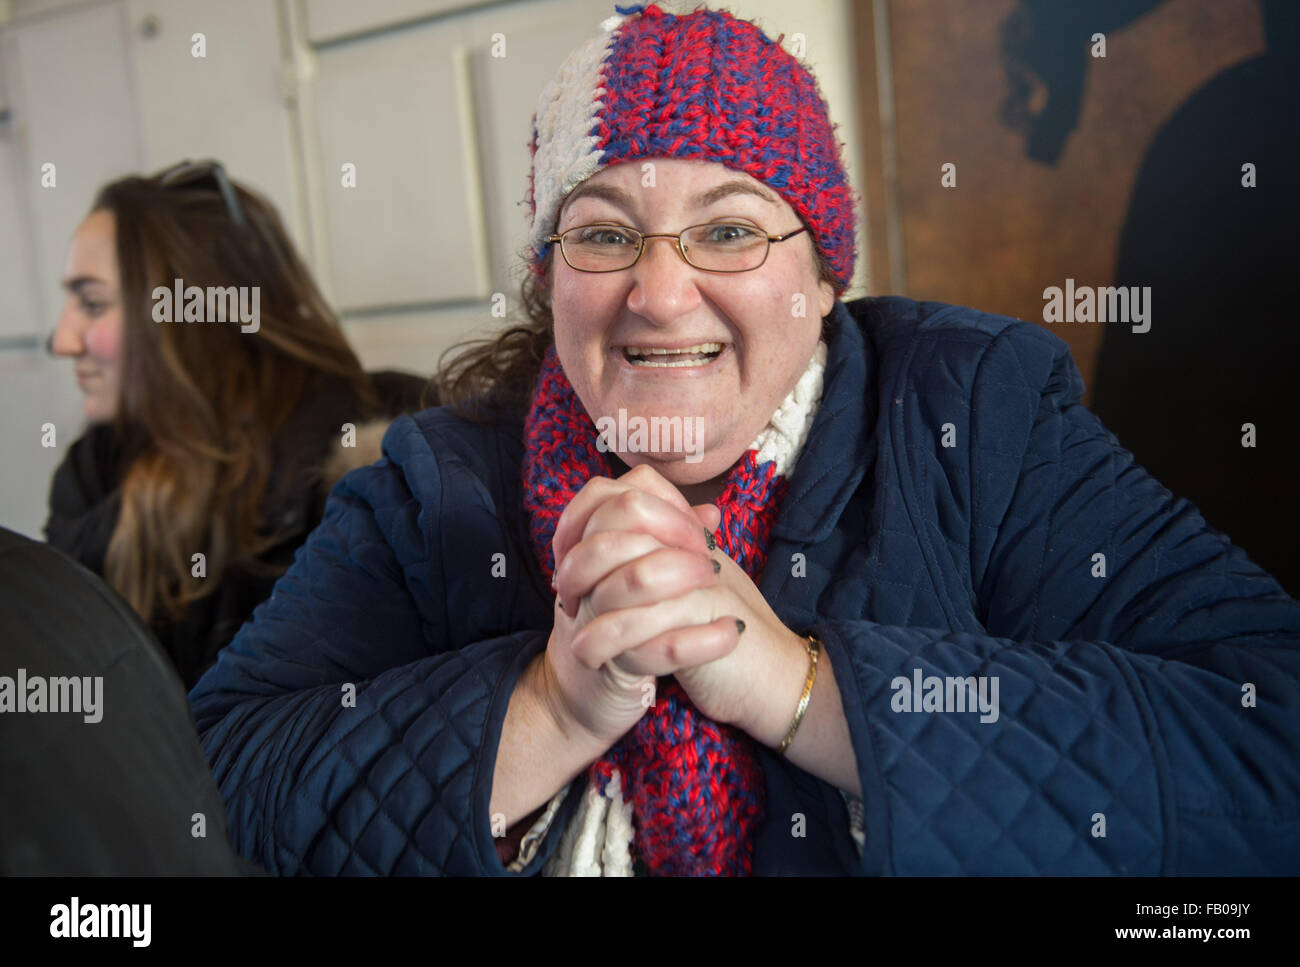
640 594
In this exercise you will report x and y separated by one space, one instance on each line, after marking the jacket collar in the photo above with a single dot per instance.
836 455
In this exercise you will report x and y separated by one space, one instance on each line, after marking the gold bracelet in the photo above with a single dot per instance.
814 648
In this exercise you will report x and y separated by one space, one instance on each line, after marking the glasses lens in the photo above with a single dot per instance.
601 248
725 247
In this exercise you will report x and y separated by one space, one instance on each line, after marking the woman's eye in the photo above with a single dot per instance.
603 236
92 308
728 233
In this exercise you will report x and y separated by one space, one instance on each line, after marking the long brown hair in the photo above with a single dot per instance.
488 376
201 403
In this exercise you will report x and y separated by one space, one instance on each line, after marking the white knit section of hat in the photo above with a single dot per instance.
783 438
566 112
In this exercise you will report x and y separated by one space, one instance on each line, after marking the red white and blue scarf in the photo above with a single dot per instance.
694 785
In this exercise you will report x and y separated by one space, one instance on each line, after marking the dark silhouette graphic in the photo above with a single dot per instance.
1219 256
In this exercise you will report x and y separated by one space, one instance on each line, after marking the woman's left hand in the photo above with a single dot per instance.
744 686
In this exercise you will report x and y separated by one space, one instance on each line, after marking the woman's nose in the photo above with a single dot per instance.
664 285
68 337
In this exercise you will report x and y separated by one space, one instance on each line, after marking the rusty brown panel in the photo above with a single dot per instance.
1014 226
873 186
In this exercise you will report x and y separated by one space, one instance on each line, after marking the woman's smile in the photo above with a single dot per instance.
690 359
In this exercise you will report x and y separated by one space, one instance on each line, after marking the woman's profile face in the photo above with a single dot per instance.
767 320
90 327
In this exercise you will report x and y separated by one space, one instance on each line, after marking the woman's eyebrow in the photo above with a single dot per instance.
620 198
79 282
718 192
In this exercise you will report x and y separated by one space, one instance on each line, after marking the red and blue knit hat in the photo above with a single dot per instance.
705 86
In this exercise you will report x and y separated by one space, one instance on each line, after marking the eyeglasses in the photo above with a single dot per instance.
193 173
715 247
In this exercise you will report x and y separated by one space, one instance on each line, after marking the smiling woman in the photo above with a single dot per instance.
523 644
664 304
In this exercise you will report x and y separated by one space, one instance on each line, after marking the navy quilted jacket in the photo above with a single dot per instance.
1126 696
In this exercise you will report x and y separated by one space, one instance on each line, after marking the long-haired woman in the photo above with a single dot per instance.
205 462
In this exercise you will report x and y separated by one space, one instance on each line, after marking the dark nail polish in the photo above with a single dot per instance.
708 539
717 567
740 626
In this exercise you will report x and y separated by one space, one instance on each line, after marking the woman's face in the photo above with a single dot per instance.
661 302
90 327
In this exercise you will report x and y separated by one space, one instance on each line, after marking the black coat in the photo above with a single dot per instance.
85 499
112 783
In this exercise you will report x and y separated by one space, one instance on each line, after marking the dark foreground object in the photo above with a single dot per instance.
113 782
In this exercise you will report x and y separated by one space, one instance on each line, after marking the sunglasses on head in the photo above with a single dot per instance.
193 173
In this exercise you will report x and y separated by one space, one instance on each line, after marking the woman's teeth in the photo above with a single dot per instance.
698 355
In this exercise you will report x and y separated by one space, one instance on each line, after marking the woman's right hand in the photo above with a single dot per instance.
637 535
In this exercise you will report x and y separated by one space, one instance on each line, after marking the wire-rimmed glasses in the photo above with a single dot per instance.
723 246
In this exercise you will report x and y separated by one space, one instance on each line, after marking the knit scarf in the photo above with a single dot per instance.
695 785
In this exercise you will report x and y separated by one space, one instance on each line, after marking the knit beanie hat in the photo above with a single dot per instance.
705 86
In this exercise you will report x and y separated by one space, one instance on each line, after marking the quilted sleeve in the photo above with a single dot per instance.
346 734
1140 672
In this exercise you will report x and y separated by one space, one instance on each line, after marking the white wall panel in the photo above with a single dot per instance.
331 19
78 109
228 104
21 318
414 341
408 233
74 107
34 390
